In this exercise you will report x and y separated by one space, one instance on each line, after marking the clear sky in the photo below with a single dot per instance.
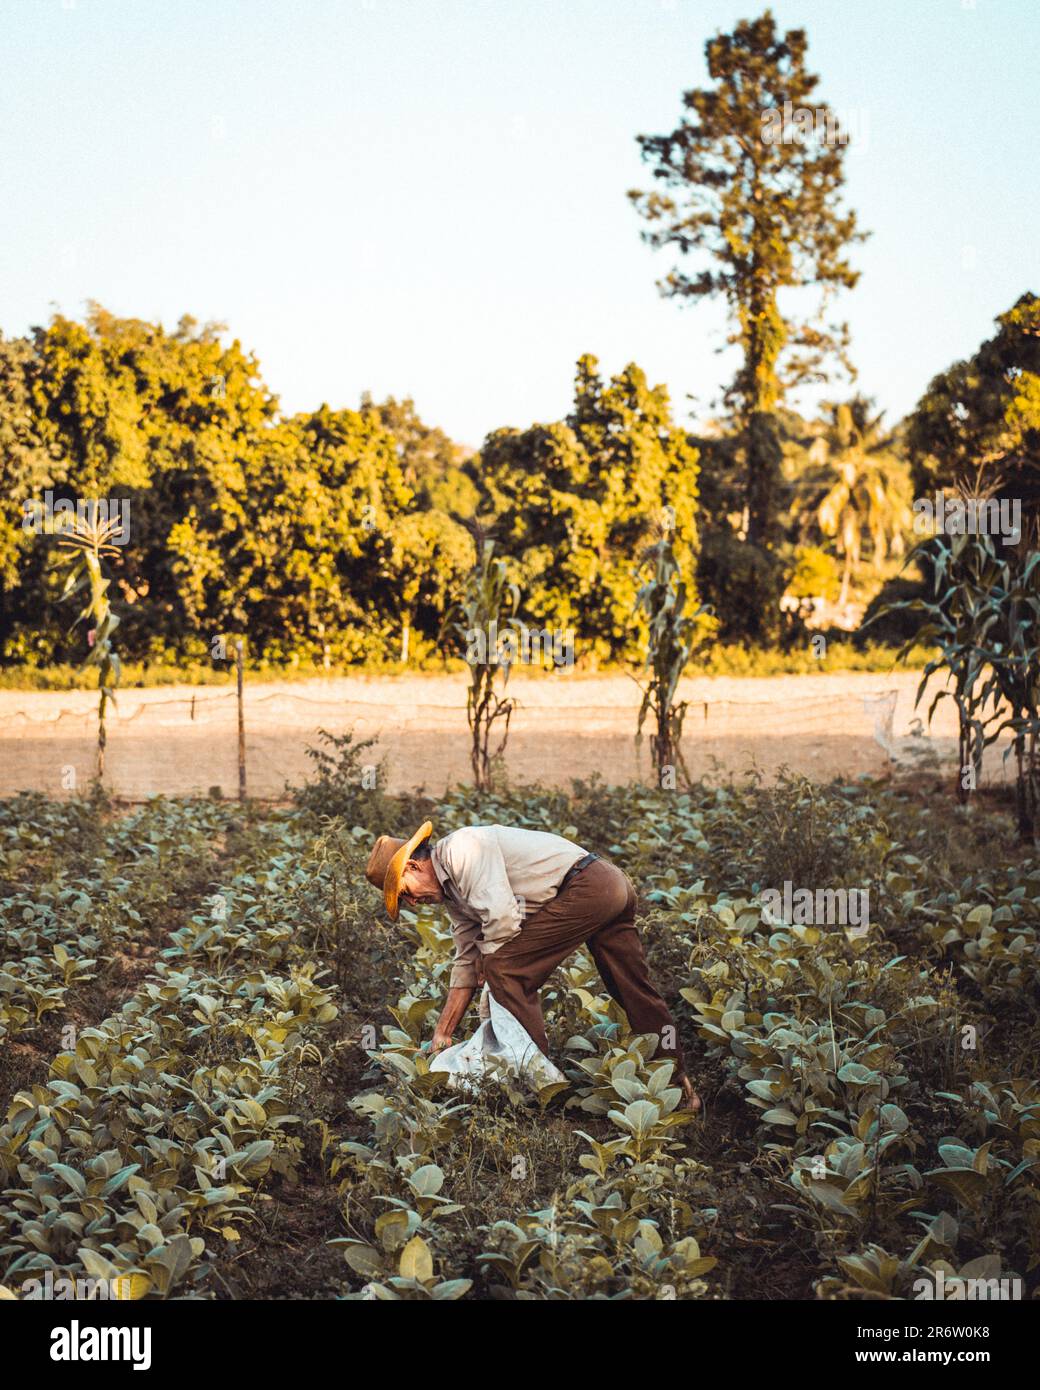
427 197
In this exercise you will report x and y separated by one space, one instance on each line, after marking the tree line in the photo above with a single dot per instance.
345 535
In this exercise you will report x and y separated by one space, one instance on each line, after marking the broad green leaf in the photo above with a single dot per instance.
427 1181
363 1259
416 1260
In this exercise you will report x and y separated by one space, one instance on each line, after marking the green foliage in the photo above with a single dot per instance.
575 502
230 1084
431 556
815 574
979 421
890 619
345 784
240 519
745 584
964 573
859 486
984 615
26 467
77 897
262 550
336 537
134 1156
433 466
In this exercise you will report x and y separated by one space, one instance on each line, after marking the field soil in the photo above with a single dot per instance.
183 740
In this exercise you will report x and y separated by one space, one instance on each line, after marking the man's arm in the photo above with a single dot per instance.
451 1015
457 1003
467 964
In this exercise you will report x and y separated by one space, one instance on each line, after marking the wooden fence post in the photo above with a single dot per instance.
241 725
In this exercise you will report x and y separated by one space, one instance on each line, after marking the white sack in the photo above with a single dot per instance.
500 1041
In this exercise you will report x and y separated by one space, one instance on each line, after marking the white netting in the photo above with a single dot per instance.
183 741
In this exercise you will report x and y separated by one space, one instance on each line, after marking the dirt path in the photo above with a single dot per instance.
183 739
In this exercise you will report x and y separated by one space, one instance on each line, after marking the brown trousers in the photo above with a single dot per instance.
597 907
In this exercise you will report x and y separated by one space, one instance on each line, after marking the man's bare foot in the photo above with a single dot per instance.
691 1100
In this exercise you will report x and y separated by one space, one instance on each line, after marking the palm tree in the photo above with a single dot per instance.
861 485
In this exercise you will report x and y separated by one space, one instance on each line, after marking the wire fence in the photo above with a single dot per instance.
187 742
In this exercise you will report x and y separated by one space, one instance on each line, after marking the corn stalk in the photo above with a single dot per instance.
965 571
672 636
88 541
1013 654
488 605
984 617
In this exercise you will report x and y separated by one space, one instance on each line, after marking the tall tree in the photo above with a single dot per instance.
27 468
431 555
433 465
752 179
978 424
162 418
289 543
574 501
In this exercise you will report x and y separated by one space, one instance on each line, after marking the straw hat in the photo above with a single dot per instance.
386 864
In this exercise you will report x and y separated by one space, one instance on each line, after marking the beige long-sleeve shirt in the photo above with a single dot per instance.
493 876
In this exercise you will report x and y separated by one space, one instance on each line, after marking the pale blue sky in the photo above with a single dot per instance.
428 196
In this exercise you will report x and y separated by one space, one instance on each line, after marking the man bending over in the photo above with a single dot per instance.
521 902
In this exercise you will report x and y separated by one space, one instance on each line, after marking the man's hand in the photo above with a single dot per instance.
451 1016
691 1100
